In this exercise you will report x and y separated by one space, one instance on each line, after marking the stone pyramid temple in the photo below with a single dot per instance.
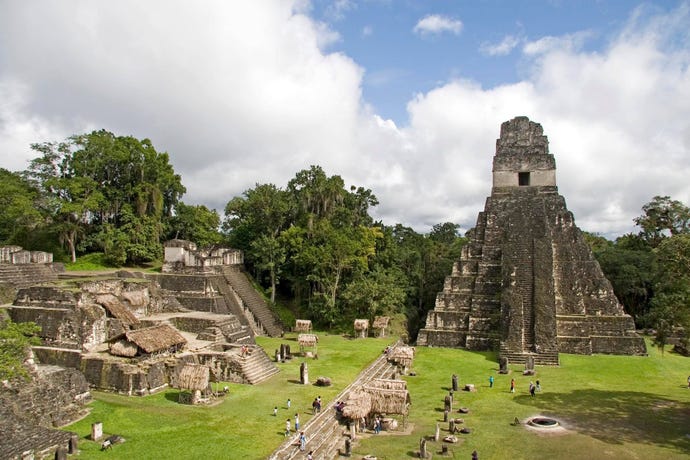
527 283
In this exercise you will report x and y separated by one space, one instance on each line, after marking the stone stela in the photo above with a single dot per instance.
527 283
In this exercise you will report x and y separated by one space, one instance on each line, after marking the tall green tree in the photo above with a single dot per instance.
69 199
663 217
20 214
111 192
195 223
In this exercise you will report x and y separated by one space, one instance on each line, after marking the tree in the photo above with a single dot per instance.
195 223
331 253
631 273
315 195
18 201
15 340
378 292
671 303
663 217
98 186
68 198
270 256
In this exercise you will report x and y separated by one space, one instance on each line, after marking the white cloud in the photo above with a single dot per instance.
338 9
502 48
569 42
437 24
241 93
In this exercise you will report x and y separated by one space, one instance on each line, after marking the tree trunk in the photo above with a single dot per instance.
71 236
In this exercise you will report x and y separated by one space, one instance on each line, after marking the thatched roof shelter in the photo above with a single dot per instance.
124 348
402 356
381 322
389 401
156 338
302 325
194 377
358 405
361 324
117 309
387 384
380 396
307 340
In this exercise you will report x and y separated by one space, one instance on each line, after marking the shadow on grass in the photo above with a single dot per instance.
173 396
618 417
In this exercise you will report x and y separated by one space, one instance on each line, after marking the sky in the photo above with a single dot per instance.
403 97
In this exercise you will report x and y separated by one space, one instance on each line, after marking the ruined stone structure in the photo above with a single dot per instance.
29 410
128 335
20 268
214 280
527 283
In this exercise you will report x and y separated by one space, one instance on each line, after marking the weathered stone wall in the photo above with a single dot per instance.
55 397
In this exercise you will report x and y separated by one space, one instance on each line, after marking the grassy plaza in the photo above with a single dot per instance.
610 406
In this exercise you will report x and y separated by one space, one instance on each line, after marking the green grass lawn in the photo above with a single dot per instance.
242 426
613 407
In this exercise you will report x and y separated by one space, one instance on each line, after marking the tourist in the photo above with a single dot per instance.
531 389
296 422
275 411
302 441
491 381
538 386
512 385
287 427
289 403
310 455
475 455
688 382
314 406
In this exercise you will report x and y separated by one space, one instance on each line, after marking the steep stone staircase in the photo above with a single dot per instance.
547 358
228 330
264 318
25 275
257 366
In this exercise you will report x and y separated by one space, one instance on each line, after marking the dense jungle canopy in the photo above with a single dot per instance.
312 244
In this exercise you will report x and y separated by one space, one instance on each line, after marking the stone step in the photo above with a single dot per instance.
253 301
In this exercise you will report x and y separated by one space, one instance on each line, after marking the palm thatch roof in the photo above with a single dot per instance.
307 340
361 324
402 355
381 322
124 348
156 338
358 405
389 401
194 377
302 325
387 384
380 396
116 308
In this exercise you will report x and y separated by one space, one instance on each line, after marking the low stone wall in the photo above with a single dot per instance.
58 356
181 283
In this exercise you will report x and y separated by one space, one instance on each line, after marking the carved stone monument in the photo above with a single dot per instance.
304 374
527 283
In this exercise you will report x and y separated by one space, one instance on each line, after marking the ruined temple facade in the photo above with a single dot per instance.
527 283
